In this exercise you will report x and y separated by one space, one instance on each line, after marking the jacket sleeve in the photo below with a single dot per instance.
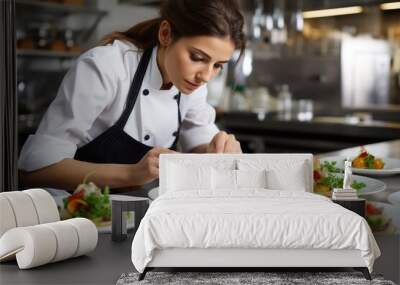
198 125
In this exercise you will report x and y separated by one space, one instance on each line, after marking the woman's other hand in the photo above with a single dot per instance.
224 143
147 169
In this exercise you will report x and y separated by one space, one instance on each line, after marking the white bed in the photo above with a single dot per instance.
200 223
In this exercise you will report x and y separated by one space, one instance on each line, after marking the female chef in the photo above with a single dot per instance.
130 99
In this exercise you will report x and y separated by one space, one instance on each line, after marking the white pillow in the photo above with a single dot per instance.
224 179
183 177
293 180
251 178
281 174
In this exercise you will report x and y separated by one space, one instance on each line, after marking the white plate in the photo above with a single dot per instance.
394 198
392 166
153 193
372 186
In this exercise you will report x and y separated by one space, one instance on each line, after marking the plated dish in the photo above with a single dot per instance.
364 185
91 202
328 176
391 166
383 217
88 201
366 160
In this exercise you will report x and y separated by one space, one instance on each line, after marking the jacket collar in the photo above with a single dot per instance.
153 75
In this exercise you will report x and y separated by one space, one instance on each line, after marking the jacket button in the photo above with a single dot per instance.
146 92
175 133
146 137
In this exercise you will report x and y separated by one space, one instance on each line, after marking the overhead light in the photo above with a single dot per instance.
332 12
390 6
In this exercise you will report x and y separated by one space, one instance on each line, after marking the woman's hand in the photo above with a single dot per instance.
224 143
147 169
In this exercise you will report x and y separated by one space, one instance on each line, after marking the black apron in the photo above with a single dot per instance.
114 145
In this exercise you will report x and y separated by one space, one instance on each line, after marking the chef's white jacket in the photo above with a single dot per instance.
92 97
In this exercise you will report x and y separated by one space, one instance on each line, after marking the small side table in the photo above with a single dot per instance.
356 205
125 203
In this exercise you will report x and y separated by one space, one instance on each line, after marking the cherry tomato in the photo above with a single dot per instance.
317 175
75 196
372 210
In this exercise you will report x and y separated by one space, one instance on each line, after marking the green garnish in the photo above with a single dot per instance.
375 222
99 206
369 161
334 181
357 185
330 166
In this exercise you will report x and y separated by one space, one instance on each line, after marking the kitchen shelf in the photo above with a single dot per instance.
46 53
31 10
55 8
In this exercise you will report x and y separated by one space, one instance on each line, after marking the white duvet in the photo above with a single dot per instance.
252 218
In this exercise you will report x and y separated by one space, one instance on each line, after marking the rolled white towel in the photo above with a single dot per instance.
67 240
7 217
45 205
23 208
33 246
40 244
87 235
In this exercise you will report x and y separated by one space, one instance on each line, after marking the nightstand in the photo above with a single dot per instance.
356 205
122 204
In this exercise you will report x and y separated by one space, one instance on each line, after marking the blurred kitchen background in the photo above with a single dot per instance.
317 75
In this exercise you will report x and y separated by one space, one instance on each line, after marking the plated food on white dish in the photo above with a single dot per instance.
383 217
327 177
391 166
91 202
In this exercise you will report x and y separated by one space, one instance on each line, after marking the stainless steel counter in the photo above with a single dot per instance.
320 135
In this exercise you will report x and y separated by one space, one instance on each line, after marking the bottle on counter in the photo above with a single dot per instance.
285 102
305 110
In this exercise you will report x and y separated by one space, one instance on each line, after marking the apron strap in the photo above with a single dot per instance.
135 88
178 101
179 110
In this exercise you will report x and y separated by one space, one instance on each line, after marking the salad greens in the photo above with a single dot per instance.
369 161
327 176
330 166
89 201
336 182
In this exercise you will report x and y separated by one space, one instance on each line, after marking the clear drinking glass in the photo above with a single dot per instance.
305 110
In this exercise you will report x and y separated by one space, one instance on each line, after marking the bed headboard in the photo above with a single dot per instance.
236 161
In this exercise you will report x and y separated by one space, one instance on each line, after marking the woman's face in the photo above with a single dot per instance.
193 61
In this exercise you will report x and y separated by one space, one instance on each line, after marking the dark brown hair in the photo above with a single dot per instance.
188 18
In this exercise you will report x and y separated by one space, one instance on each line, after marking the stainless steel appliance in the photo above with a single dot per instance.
365 72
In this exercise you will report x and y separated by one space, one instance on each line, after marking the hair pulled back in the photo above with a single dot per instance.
188 18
